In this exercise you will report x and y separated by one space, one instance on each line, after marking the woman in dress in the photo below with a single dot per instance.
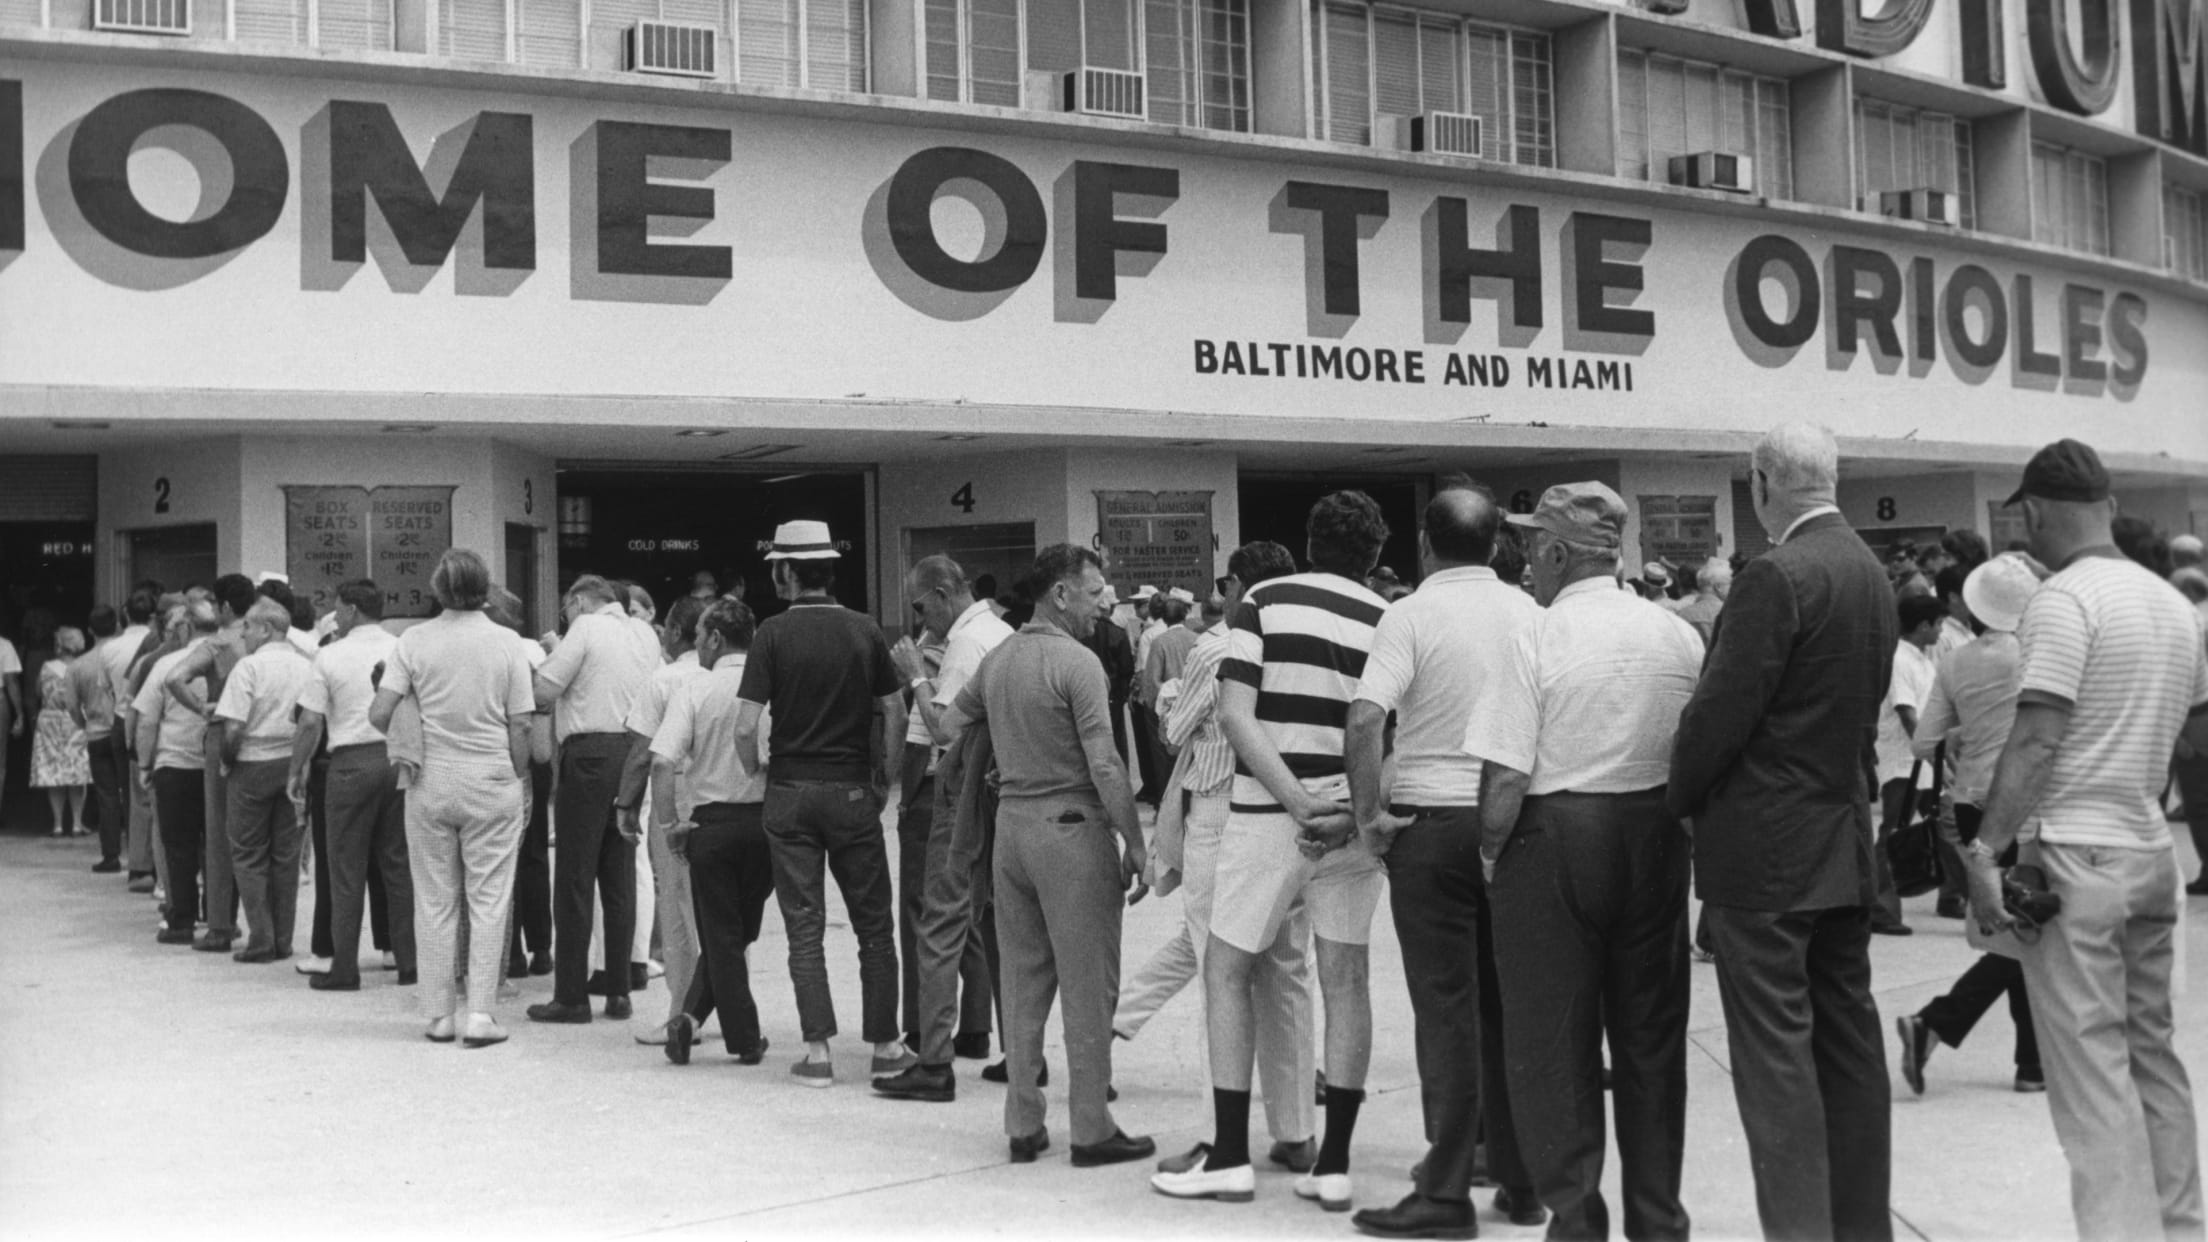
60 762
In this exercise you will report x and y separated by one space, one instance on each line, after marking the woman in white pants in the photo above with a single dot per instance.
466 810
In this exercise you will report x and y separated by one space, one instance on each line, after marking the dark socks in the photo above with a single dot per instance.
1230 1144
1342 1104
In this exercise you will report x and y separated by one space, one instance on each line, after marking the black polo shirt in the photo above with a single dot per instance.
818 668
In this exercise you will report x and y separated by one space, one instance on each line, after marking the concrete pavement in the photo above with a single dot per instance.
150 1090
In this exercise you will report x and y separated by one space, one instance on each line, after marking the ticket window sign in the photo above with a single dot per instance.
1679 529
391 535
1160 539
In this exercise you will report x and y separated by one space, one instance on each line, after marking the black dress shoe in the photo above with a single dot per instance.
540 963
681 1031
1419 1217
597 985
1892 929
619 1007
408 978
1520 1206
1956 907
173 935
973 1047
212 942
331 983
1024 1150
106 866
1000 1073
254 957
753 1055
640 977
1118 1149
929 1084
556 1011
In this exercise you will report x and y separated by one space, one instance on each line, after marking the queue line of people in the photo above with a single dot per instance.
1531 780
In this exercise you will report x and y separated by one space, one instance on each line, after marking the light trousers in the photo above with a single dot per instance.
1280 990
1058 921
145 842
677 913
2099 977
463 834
264 851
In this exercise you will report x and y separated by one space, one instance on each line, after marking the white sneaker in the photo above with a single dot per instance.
390 961
1235 1185
1330 1189
654 969
315 965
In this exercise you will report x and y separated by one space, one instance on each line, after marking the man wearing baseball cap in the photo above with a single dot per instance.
1587 870
2114 672
835 695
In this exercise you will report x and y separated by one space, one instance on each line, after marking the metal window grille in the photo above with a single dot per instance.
2185 231
132 16
1379 60
1901 148
2069 199
1669 106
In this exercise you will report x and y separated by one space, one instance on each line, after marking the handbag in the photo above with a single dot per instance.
1913 849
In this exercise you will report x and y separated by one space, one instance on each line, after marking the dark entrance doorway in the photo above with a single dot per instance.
1276 507
45 583
661 527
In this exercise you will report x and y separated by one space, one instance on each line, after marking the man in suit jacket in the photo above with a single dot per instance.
1773 762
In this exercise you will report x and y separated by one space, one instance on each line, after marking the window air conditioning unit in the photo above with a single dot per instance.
671 48
168 17
1925 204
1107 92
1714 170
1442 133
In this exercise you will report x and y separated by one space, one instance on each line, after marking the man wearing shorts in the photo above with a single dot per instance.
1295 655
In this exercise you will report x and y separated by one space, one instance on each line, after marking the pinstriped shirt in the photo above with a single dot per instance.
1193 721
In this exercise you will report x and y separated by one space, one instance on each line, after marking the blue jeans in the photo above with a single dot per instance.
834 826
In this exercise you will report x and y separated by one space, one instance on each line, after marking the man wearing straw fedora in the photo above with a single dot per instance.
838 724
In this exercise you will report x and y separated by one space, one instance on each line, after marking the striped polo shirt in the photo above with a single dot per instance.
2124 650
1301 641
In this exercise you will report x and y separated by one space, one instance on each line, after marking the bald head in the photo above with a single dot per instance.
2185 552
1460 526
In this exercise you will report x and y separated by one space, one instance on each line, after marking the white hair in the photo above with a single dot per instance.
1798 459
1714 572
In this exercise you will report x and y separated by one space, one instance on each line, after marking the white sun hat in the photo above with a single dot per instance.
1997 591
803 541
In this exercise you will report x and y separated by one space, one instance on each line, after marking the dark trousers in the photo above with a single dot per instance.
1146 754
731 877
366 837
533 869
833 827
1897 799
1809 1068
1951 1016
264 851
2192 785
1590 904
180 800
593 863
107 791
1119 731
1439 901
915 827
379 902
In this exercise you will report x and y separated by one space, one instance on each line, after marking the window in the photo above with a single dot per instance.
1378 61
472 29
353 25
1197 69
819 44
269 21
2185 232
1899 148
2069 199
1668 107
973 50
549 33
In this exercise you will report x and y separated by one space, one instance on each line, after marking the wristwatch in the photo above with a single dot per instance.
1979 847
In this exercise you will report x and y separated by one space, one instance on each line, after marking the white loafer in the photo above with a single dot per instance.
315 966
1235 1185
1330 1189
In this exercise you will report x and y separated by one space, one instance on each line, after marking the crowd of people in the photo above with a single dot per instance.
1531 767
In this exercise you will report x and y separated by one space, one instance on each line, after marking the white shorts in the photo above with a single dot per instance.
1261 872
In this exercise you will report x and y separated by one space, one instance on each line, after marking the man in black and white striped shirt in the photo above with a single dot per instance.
1294 658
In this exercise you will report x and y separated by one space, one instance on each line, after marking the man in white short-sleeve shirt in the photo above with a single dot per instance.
2114 672
256 711
969 630
363 808
1907 691
1434 654
172 753
1587 869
